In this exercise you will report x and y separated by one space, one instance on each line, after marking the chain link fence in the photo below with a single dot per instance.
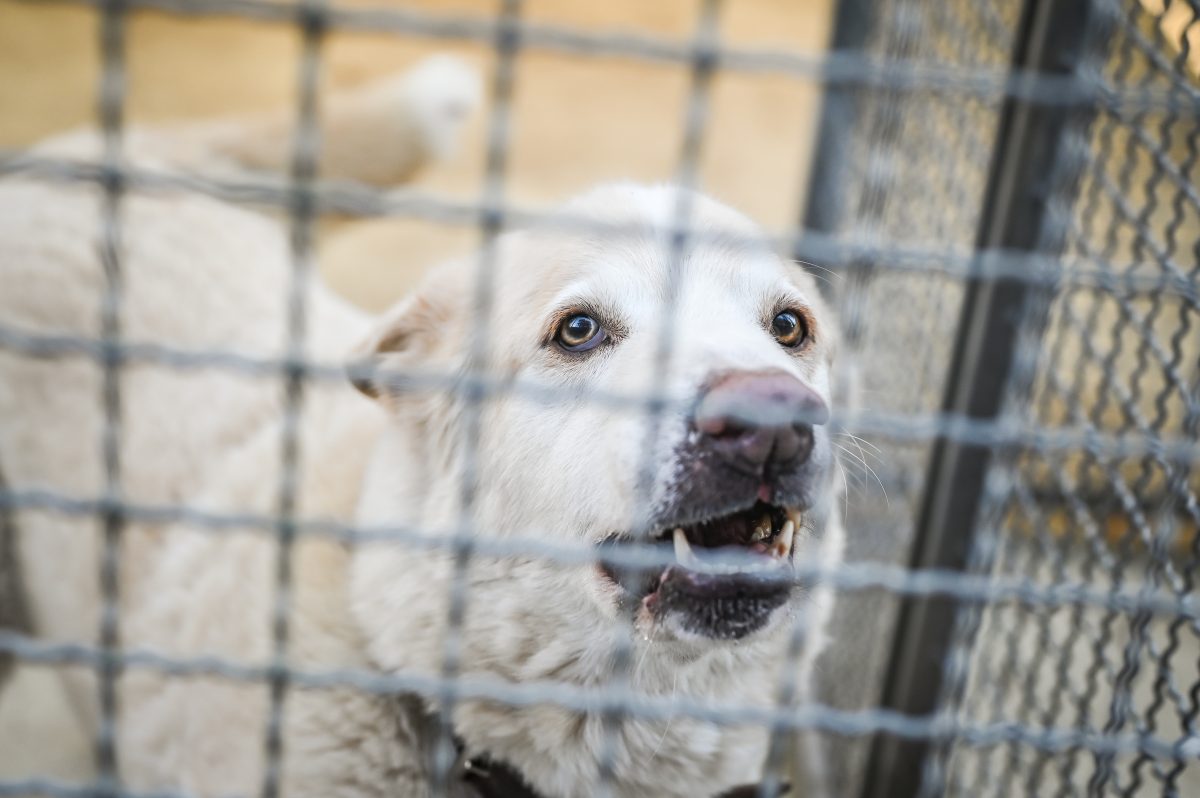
1103 353
1004 208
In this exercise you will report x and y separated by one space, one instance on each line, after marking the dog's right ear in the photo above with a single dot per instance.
405 336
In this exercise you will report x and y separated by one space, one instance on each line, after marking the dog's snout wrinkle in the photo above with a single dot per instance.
760 418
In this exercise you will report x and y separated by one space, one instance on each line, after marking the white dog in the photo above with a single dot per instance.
740 462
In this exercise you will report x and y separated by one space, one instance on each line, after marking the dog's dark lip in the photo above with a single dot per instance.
717 606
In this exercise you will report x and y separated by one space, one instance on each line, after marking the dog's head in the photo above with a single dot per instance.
571 331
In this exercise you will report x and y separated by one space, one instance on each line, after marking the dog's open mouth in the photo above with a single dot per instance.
727 576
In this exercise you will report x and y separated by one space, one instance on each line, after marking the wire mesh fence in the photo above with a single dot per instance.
1004 208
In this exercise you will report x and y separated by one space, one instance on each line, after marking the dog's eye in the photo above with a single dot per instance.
579 332
788 329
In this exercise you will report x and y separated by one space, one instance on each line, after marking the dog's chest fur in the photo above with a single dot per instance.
559 752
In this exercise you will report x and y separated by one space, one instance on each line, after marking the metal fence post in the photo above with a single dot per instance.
1029 172
824 199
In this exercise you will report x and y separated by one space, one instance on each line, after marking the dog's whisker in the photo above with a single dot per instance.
862 458
852 477
646 651
846 492
887 501
858 459
863 454
825 269
670 720
865 469
850 482
854 456
860 441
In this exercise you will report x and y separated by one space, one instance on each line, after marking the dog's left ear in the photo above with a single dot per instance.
408 335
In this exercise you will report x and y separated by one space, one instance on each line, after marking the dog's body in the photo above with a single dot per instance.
199 274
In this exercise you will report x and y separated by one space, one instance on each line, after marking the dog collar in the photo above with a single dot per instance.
483 777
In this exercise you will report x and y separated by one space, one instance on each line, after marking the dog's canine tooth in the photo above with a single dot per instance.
784 544
683 549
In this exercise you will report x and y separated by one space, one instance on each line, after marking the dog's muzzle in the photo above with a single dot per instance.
755 455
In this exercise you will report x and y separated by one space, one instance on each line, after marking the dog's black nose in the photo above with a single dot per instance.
762 418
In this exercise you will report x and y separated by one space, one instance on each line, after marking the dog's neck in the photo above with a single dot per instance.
481 775
527 622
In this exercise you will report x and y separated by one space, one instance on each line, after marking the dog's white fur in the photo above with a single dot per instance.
199 274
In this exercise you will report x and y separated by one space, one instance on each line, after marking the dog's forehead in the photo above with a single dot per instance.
648 274
626 251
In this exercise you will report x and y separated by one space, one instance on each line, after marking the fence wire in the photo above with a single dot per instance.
1073 663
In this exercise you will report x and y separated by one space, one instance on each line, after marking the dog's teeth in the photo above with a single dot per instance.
784 544
762 530
683 549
